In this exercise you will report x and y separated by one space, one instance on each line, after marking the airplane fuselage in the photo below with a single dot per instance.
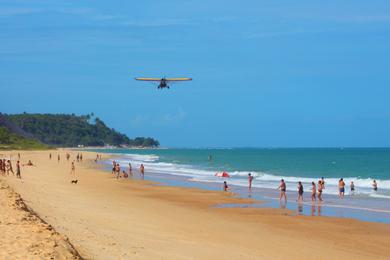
163 84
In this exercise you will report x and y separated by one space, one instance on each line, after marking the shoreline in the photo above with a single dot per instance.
354 206
105 217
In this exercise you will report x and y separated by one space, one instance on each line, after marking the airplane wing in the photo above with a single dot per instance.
148 79
178 79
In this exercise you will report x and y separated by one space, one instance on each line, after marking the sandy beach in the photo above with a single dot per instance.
109 218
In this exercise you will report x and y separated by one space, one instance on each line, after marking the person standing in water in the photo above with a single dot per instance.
313 191
282 187
18 170
319 190
225 186
142 170
352 188
374 185
300 192
130 170
341 188
250 179
323 183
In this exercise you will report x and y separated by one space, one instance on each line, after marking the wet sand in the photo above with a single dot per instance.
107 218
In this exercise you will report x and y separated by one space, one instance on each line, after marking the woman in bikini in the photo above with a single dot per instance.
313 191
282 187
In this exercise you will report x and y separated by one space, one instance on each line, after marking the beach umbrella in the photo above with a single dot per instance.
222 174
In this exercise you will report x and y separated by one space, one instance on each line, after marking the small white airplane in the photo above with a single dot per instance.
163 82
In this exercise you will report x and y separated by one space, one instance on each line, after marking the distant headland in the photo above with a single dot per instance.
41 131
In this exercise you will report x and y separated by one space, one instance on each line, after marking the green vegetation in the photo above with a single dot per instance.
71 130
10 141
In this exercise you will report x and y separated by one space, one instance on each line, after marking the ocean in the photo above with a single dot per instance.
197 167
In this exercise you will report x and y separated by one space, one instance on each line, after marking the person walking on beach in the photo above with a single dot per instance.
319 190
250 179
10 167
142 170
341 188
113 167
313 191
374 185
117 170
81 157
18 170
73 173
58 158
300 192
282 187
49 156
352 188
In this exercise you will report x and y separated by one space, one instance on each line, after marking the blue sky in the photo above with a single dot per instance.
266 73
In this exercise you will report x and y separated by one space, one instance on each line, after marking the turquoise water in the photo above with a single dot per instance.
268 166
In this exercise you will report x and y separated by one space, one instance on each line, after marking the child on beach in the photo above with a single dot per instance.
282 187
313 191
250 179
352 187
300 192
225 186
124 174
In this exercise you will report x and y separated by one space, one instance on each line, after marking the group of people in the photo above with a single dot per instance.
6 167
116 169
316 190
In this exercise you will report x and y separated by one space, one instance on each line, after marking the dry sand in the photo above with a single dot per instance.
106 218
